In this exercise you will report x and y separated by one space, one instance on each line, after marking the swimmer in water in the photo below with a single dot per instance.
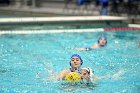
102 41
75 63
86 74
85 81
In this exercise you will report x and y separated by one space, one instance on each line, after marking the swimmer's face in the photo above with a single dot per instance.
75 62
84 73
102 41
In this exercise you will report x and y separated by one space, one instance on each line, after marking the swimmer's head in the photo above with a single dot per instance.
102 40
76 61
86 72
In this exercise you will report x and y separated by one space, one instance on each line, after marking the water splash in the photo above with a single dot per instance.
118 74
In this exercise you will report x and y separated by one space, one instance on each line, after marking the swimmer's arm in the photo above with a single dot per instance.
101 77
95 78
95 46
81 49
84 49
88 48
62 75
88 78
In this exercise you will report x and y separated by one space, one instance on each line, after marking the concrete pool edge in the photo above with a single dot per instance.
49 31
2 32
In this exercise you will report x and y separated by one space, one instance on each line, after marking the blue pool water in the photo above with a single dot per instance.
25 60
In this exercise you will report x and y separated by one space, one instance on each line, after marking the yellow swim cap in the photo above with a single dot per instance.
73 77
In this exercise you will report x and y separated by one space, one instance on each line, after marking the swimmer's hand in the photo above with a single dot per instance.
82 49
86 78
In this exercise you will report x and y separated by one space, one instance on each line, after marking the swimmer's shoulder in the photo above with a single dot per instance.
62 74
95 46
65 71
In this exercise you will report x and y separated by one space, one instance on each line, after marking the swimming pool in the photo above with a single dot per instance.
26 58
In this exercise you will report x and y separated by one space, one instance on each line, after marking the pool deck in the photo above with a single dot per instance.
60 19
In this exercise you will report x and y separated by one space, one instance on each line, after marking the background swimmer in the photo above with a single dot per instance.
102 41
